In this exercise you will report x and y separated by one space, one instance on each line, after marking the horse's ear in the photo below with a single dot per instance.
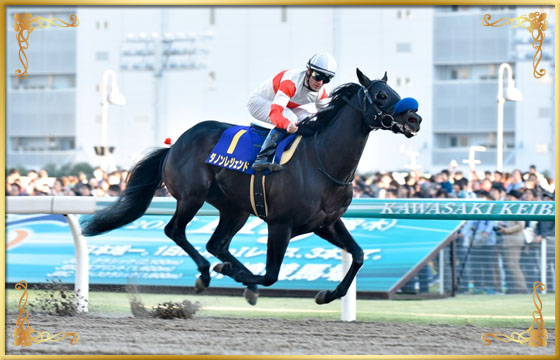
385 77
364 80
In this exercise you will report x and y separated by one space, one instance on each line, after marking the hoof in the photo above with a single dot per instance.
251 296
223 268
199 285
321 297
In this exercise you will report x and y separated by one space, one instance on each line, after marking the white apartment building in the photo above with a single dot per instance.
172 82
467 57
41 113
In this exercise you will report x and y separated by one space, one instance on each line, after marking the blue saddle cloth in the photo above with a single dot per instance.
239 146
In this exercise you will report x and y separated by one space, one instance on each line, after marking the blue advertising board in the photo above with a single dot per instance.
40 247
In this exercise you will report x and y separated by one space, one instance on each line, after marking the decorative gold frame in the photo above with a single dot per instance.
25 24
27 336
535 337
535 23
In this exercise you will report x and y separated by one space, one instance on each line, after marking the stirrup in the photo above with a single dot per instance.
267 166
275 167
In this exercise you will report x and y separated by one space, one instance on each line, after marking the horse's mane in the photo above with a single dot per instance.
325 117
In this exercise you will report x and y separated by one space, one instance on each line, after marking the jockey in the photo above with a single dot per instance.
286 99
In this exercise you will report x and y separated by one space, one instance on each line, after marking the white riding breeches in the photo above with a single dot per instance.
259 108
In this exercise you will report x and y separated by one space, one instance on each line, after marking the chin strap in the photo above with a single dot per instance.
306 81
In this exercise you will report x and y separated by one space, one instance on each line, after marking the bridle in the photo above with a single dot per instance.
374 118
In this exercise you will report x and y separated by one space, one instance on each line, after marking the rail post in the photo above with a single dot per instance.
348 312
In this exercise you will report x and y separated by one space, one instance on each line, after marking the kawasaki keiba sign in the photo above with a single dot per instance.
432 209
40 247
456 209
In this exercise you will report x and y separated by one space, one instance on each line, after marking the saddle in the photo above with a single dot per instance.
238 147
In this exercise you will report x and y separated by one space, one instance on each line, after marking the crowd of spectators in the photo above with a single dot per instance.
531 185
493 256
446 184
35 183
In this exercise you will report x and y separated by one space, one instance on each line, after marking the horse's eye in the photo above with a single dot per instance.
381 96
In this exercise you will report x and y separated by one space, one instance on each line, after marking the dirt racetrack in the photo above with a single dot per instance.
238 336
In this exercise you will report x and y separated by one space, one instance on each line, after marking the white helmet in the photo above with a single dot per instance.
324 63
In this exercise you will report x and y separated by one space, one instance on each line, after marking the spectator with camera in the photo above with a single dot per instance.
513 241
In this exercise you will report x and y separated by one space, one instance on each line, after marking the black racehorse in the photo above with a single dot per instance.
309 195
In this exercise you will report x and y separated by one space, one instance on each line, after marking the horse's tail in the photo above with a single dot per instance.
143 181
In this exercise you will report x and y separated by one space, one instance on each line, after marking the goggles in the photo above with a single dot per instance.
317 76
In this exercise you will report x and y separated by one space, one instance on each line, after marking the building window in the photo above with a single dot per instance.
16 82
63 81
49 143
212 19
212 80
492 71
454 74
403 47
35 82
453 141
403 81
542 148
492 139
464 73
102 24
545 112
101 56
42 82
404 14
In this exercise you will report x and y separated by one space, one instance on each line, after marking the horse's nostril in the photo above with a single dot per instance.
415 119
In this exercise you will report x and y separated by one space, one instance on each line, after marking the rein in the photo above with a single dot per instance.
385 121
322 167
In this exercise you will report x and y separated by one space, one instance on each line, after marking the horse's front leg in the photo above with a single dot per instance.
338 235
278 239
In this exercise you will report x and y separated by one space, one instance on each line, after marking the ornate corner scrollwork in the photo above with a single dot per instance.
535 337
25 335
25 24
536 24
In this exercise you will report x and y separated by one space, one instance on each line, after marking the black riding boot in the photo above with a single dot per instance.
264 158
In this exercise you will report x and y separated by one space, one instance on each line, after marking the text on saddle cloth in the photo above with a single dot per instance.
239 146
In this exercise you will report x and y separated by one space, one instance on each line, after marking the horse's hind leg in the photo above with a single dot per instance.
338 235
218 245
175 229
278 239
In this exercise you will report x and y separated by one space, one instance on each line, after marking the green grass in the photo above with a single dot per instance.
480 310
